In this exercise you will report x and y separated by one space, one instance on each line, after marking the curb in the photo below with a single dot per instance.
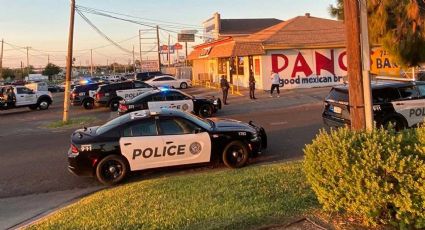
47 213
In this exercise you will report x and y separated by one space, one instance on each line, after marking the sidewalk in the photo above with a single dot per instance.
17 212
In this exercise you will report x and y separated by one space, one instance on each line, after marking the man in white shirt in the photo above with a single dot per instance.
275 83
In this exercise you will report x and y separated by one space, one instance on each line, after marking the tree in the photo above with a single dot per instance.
396 25
8 74
337 11
51 69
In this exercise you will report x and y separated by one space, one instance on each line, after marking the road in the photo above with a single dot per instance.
33 158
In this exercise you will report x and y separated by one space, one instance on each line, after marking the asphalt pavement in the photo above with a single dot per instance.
33 164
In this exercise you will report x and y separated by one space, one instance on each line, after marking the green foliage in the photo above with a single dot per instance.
377 176
397 25
72 123
8 74
216 199
51 69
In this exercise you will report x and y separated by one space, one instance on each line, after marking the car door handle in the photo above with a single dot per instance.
126 144
169 142
22 96
399 103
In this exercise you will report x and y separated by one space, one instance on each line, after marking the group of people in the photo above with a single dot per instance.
9 97
275 78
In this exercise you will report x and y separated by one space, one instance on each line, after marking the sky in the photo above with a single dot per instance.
43 25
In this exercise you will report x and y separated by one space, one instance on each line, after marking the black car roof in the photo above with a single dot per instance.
381 84
161 90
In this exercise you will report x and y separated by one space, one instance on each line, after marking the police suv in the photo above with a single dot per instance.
157 99
144 140
400 103
109 95
84 95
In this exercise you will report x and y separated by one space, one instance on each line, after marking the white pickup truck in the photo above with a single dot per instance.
25 97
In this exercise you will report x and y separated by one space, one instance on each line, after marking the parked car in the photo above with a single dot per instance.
145 140
109 95
155 100
84 95
401 103
144 76
171 82
25 97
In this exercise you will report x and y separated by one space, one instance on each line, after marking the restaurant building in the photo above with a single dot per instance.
306 51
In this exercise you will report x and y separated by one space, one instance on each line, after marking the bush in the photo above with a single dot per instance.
378 176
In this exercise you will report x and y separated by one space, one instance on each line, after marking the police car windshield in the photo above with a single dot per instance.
205 123
113 124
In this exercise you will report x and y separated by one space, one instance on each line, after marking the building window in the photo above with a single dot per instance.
238 63
222 65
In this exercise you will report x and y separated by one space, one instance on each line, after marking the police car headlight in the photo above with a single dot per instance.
215 102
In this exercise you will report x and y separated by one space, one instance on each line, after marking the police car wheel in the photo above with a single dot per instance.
111 170
183 85
235 155
114 105
43 105
205 111
88 104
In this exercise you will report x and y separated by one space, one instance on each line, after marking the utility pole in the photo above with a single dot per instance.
185 44
1 59
28 60
140 49
168 53
356 101
366 65
157 42
91 62
69 64
134 62
48 58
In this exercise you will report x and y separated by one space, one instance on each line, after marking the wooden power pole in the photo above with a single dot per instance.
1 59
140 49
157 43
66 101
91 62
354 61
134 62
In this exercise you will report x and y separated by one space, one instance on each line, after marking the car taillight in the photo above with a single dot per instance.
99 95
74 150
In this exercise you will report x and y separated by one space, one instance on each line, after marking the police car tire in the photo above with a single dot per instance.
103 174
183 85
113 106
43 104
240 149
88 104
205 111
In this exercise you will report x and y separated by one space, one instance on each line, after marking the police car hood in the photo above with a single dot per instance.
223 124
85 135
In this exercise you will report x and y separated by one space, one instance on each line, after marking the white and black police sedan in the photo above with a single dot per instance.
144 140
157 99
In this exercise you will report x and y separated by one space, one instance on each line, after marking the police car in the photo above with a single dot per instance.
109 95
144 140
160 98
400 103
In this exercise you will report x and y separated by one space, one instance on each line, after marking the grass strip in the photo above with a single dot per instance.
72 123
220 199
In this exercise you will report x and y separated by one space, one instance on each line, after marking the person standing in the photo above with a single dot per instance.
252 87
224 84
275 83
11 97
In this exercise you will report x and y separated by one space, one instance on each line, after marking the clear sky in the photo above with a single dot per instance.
43 24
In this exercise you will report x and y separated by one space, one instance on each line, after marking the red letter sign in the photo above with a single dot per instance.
324 63
275 62
301 66
341 61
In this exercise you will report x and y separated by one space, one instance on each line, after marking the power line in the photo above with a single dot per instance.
100 32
